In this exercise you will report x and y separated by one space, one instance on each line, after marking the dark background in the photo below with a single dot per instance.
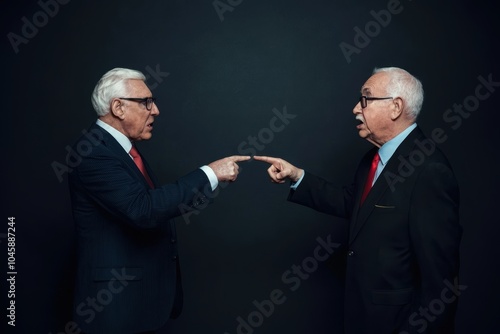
224 79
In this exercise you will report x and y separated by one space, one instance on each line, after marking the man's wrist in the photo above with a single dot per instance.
214 182
295 184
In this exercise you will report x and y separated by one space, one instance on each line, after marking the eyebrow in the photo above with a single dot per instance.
365 91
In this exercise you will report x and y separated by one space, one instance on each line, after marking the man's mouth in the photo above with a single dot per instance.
360 122
150 125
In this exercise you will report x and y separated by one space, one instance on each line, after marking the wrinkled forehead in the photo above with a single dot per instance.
138 88
376 84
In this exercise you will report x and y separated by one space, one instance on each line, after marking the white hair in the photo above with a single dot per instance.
404 85
112 85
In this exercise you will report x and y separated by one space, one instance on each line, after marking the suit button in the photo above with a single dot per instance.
174 258
350 253
172 241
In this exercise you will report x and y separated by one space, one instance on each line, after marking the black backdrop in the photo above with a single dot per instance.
218 74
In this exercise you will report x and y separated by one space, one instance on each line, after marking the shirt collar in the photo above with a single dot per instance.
120 137
387 150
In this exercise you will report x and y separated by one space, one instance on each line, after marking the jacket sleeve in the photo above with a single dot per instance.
323 196
114 187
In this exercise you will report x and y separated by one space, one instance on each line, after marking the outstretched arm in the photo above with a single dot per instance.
313 191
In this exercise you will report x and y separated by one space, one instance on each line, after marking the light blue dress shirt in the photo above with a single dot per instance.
387 150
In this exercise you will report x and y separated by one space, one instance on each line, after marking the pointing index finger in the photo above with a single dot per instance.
238 158
270 160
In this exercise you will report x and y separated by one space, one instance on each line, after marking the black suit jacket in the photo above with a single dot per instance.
128 277
403 245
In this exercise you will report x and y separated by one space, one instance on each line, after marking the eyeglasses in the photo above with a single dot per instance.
147 101
363 99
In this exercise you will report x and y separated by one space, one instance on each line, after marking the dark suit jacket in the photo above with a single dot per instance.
128 277
402 258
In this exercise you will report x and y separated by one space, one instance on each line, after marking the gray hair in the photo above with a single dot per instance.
404 85
112 85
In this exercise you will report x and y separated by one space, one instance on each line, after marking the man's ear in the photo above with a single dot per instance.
116 108
397 108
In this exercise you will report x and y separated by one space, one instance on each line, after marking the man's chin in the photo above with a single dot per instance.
363 133
144 136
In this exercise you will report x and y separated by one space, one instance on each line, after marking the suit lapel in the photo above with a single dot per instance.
360 180
381 185
109 141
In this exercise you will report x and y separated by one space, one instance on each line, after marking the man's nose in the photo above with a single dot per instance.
154 110
357 109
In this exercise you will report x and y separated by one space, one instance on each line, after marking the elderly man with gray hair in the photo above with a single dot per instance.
128 274
402 251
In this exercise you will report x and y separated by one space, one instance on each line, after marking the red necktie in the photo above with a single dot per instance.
138 161
371 175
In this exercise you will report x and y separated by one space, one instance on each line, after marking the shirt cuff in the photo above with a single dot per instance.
211 176
294 185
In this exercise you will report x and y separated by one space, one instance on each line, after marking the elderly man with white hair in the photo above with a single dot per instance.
402 252
128 274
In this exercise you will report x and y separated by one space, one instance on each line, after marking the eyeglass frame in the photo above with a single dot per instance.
147 100
363 100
